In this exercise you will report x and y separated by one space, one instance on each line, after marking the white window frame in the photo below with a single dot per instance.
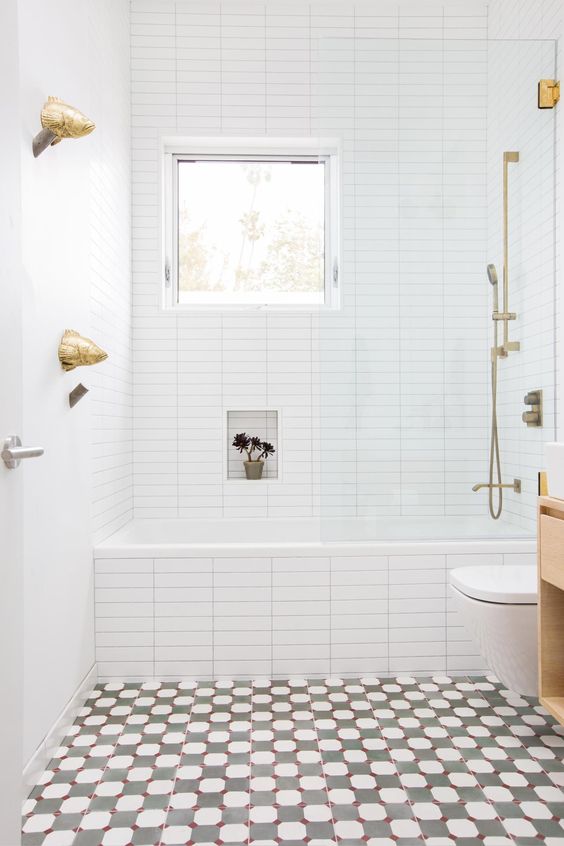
239 149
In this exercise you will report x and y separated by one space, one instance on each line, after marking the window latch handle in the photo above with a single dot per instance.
335 272
167 274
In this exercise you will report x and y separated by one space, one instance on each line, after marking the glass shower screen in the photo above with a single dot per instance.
404 362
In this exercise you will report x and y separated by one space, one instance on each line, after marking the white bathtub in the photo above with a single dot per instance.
244 598
166 534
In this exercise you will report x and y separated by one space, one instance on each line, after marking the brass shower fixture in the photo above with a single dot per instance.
505 316
515 486
498 351
549 93
533 416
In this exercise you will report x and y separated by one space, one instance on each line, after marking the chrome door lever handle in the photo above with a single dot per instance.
13 452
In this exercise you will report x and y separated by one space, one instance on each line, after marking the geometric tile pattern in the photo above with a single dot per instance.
324 762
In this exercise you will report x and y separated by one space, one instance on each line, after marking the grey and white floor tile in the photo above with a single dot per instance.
435 761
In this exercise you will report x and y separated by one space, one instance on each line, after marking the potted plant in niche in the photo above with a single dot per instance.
250 445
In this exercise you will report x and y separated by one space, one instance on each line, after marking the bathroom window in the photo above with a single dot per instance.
251 229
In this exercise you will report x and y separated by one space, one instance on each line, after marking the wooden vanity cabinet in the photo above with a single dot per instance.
551 605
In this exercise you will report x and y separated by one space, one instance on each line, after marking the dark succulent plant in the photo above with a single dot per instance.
266 450
242 442
250 445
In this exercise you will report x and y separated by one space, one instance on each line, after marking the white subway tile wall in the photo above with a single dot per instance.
382 402
385 402
514 122
251 615
111 383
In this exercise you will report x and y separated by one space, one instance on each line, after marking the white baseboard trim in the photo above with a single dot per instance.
38 762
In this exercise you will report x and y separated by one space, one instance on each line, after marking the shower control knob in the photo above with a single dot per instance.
533 416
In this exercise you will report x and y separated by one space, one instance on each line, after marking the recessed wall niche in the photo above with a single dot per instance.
262 423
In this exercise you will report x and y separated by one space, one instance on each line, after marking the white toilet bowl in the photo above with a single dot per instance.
499 607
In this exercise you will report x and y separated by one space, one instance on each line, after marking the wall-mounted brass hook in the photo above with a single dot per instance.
76 394
76 351
59 120
549 93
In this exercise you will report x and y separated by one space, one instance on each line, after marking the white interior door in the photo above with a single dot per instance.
11 481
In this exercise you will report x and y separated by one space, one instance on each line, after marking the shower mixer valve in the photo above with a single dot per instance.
534 416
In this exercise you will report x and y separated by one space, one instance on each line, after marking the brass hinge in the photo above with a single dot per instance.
549 93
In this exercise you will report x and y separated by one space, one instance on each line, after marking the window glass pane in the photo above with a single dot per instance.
251 232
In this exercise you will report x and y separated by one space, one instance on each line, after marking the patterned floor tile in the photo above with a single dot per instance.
334 762
210 797
61 800
288 796
367 799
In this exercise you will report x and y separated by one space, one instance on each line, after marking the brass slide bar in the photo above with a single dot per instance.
505 316
500 351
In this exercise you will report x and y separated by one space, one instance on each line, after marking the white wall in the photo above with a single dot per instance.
76 258
11 484
398 375
111 385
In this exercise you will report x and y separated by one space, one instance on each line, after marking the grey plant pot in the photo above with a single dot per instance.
254 469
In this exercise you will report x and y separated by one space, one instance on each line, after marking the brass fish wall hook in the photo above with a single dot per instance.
76 351
59 120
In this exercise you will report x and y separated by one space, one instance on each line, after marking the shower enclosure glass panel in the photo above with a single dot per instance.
404 364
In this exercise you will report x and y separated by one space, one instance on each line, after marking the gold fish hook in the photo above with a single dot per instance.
77 351
60 120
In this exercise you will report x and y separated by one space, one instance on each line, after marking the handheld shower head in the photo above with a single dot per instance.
492 274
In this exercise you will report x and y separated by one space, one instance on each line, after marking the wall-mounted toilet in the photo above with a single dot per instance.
499 607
